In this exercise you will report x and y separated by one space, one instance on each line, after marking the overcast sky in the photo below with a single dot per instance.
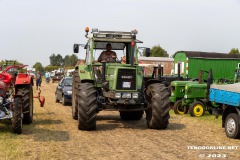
31 30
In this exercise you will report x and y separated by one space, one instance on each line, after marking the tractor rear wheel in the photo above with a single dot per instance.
76 82
26 92
17 115
197 109
232 126
87 106
179 109
131 115
159 106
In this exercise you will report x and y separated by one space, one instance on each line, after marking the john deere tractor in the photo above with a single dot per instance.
116 86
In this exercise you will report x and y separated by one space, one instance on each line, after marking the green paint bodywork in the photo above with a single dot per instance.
193 92
222 68
178 90
89 71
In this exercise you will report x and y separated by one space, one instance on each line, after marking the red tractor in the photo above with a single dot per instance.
16 97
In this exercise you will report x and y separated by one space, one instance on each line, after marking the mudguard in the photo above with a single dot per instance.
23 78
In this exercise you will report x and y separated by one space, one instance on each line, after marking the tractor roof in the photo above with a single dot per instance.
114 36
213 55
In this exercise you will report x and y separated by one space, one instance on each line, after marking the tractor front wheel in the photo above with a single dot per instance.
159 106
87 106
179 109
197 109
17 115
232 126
26 92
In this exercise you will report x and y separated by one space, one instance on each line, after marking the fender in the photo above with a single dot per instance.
228 110
23 78
84 72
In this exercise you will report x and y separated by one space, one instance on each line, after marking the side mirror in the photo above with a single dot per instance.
147 51
75 48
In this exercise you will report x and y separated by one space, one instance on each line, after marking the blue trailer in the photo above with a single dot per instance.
229 97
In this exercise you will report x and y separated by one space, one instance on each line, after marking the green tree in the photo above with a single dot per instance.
70 60
234 51
38 66
158 51
56 60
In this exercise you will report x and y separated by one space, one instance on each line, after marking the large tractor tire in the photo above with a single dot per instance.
197 109
87 106
159 106
17 115
179 109
131 115
75 86
232 126
26 92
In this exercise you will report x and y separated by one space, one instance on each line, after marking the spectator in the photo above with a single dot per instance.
38 80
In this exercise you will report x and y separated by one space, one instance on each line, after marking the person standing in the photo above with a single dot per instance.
38 79
47 77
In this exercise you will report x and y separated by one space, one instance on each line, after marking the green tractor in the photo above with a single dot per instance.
116 86
178 92
196 95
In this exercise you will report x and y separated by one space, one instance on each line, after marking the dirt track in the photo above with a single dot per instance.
54 135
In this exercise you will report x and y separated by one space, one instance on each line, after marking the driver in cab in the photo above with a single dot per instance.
108 55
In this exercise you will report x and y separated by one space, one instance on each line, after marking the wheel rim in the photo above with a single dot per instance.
198 110
231 126
181 109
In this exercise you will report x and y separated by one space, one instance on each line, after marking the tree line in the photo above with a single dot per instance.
57 61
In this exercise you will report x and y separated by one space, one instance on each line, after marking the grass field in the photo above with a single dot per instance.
54 135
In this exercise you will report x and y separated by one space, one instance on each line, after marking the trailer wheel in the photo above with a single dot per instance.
17 115
87 106
131 115
159 105
232 126
197 109
179 109
75 84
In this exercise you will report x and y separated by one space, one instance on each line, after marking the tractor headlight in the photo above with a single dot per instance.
135 95
1 100
126 95
117 95
185 96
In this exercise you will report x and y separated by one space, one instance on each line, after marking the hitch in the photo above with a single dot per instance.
40 98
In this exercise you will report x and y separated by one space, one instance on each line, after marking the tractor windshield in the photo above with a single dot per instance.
122 50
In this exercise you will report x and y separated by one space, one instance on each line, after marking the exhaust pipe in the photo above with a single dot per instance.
209 82
178 71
